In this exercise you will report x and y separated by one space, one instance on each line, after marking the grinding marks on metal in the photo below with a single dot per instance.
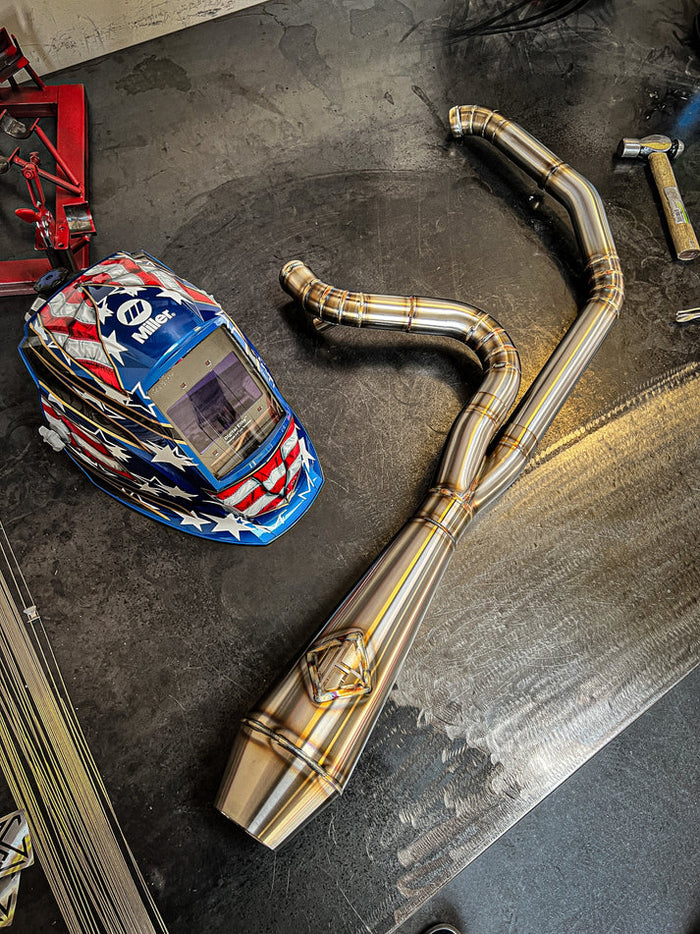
299 746
54 779
595 617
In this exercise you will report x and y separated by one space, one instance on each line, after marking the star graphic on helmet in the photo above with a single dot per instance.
118 453
174 490
306 458
169 455
195 520
103 311
147 485
234 525
175 296
113 347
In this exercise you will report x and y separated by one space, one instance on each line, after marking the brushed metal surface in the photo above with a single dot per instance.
528 686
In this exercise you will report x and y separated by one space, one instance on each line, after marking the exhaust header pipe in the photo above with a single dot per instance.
298 747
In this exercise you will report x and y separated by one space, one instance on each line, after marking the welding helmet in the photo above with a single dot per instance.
162 401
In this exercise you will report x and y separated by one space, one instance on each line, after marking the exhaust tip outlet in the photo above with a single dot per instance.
293 274
456 127
270 789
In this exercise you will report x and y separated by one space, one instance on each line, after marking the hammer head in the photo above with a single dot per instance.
641 148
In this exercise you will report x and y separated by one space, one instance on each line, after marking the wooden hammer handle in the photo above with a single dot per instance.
684 240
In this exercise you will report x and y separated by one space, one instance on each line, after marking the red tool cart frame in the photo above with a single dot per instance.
66 103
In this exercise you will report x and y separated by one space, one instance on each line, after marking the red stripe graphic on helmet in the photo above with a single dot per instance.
271 485
83 443
72 322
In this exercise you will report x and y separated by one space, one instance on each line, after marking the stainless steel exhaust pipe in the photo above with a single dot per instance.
298 748
300 745
554 383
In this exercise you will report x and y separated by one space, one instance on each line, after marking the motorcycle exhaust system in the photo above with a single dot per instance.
298 747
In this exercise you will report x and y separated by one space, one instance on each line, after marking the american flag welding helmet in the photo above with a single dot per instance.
163 402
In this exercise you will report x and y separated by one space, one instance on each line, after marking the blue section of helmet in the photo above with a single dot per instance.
94 350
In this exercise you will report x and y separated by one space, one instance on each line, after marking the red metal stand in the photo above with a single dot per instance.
64 231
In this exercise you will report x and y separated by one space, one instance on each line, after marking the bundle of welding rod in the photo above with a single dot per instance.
53 777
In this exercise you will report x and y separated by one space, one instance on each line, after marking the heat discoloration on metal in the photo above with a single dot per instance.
300 745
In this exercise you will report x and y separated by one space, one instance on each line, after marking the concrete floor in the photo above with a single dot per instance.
319 128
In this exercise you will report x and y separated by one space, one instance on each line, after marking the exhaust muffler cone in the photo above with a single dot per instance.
298 748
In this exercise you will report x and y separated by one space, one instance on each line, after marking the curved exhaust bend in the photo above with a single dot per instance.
550 389
477 423
300 745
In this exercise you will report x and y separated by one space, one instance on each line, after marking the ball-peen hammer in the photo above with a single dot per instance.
657 149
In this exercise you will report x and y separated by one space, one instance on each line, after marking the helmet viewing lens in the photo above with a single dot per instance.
217 401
